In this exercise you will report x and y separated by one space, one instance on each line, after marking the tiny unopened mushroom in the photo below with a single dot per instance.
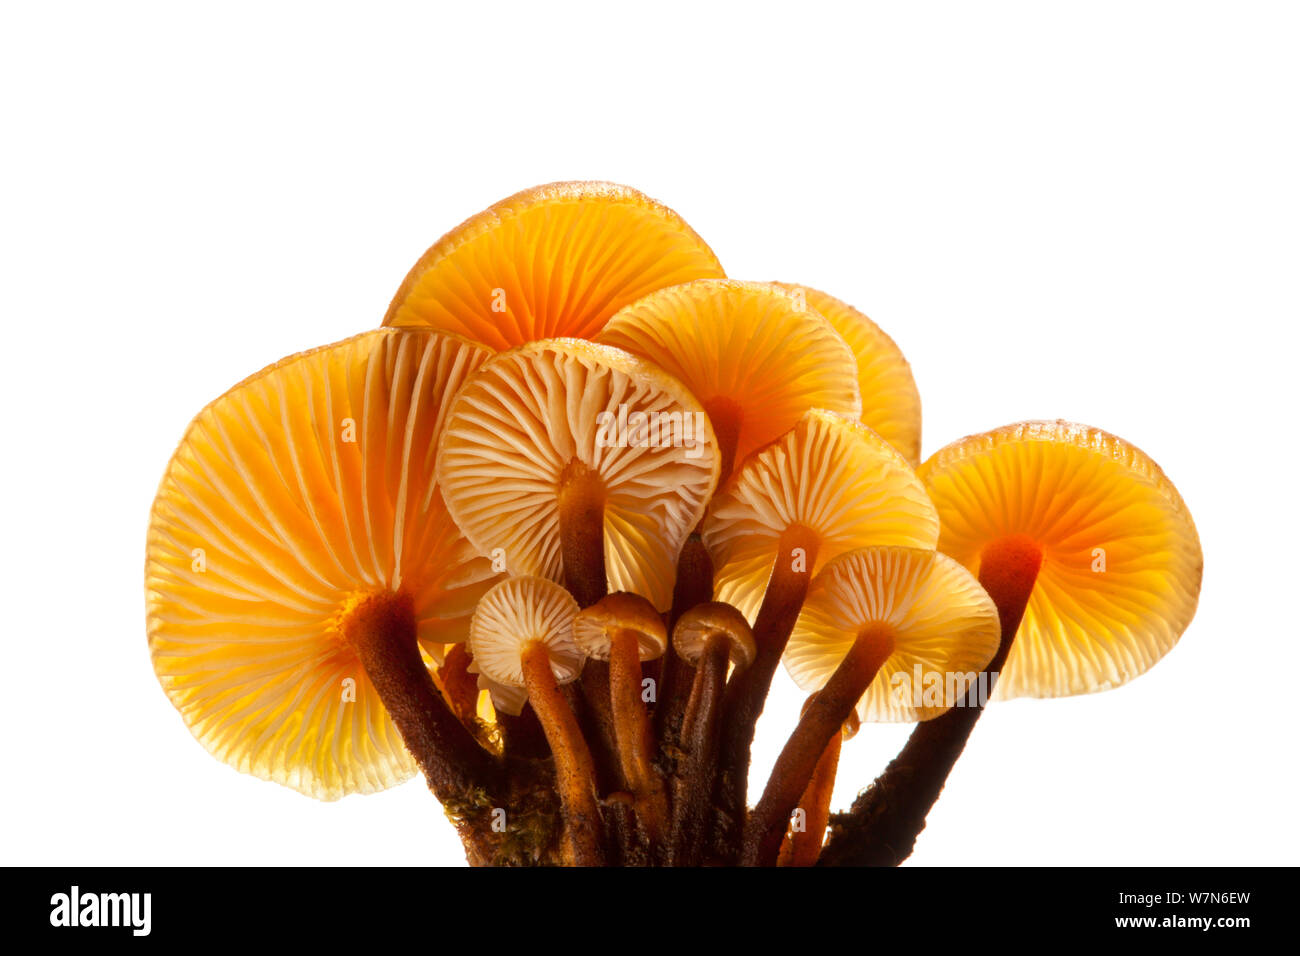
554 260
712 637
579 463
521 635
1094 563
830 485
302 573
754 355
891 404
625 629
870 614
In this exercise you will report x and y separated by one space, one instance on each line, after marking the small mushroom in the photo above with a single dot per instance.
625 629
830 485
891 404
555 260
711 637
754 355
869 615
521 635
302 573
1094 563
574 461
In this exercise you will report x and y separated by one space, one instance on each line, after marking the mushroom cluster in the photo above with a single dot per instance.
545 536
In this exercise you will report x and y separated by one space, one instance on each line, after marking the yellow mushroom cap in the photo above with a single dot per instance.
297 495
552 261
521 423
594 627
939 618
1121 559
748 350
830 475
891 404
515 613
696 626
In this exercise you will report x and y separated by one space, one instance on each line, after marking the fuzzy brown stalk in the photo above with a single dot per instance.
694 789
746 695
575 773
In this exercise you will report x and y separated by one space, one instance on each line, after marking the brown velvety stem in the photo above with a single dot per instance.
782 602
575 774
632 732
588 698
581 501
598 721
802 847
881 827
694 790
382 630
694 586
823 719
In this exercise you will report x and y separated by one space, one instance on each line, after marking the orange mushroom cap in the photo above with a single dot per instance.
694 628
1121 559
531 416
594 627
829 475
937 616
755 356
891 404
552 261
292 499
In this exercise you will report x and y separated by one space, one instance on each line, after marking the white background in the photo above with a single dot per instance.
1086 211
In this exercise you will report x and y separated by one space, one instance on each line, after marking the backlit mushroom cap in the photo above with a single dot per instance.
551 261
515 613
830 475
696 626
565 410
939 618
594 627
755 356
292 498
1121 559
891 404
